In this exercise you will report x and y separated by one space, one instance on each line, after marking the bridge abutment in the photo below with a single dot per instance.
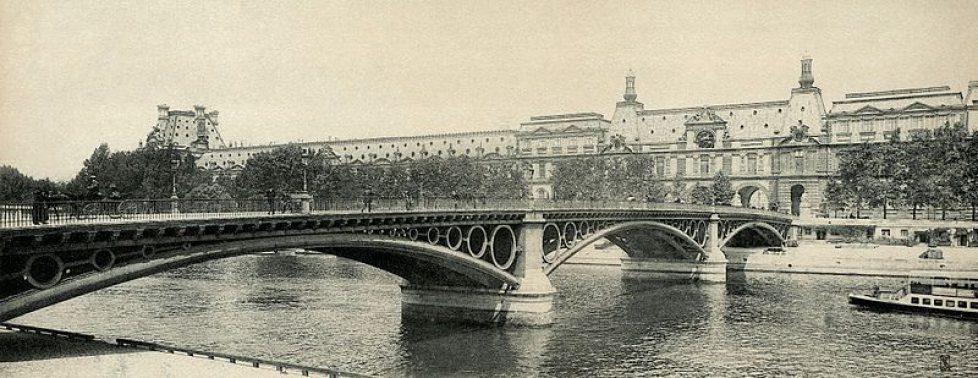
529 304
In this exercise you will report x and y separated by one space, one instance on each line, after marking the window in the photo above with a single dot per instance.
752 164
885 232
681 166
938 302
660 166
950 303
974 305
890 124
927 301
843 126
904 233
914 300
962 304
704 165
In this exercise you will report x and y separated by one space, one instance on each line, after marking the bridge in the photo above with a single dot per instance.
474 262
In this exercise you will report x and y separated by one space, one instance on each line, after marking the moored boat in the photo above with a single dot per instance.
939 292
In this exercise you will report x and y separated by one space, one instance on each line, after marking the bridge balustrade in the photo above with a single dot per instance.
27 214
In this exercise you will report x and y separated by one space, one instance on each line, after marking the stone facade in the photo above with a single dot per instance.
779 154
196 130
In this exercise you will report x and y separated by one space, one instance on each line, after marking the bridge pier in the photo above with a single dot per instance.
709 267
529 304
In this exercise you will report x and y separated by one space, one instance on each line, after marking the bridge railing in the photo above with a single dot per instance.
25 214
79 212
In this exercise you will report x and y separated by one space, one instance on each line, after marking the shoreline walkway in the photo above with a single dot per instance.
27 351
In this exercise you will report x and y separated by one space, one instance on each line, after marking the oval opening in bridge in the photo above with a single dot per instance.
551 242
44 271
476 241
102 259
453 238
570 234
503 247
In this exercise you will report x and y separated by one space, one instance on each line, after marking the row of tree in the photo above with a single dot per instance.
631 176
937 169
284 170
142 173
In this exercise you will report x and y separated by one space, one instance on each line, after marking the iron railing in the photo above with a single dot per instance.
27 214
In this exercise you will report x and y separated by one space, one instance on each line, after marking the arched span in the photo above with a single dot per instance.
460 269
621 227
768 232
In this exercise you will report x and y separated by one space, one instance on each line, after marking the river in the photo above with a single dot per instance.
323 311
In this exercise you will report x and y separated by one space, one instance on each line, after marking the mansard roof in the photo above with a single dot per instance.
667 125
898 101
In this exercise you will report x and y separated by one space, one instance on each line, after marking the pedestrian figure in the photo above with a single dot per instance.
456 198
45 200
270 196
115 199
368 199
36 206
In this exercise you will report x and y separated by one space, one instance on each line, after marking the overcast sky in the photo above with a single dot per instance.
75 74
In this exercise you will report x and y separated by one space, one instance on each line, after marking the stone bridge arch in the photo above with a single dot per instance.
418 262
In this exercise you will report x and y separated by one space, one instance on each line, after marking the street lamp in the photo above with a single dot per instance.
174 164
305 166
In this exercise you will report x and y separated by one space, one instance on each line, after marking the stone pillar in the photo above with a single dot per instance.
529 304
713 266
305 202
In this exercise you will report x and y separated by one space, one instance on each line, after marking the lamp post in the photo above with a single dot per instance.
174 164
304 198
305 166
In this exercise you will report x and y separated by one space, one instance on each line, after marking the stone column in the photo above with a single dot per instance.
713 267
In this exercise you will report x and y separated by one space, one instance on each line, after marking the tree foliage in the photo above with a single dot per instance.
434 177
933 168
142 173
719 192
608 178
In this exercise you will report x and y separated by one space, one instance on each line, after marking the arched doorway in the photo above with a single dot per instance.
797 193
753 197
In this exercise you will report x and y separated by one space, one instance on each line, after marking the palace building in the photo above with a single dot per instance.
779 154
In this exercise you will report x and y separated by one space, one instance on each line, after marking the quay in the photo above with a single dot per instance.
27 351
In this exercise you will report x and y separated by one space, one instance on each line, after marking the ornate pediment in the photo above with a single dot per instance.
799 135
869 110
705 116
617 143
542 130
918 106
572 129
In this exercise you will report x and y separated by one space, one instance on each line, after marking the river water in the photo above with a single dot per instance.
323 311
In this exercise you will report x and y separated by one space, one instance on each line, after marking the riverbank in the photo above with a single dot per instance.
857 259
32 354
823 258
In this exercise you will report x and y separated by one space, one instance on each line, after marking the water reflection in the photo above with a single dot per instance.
335 312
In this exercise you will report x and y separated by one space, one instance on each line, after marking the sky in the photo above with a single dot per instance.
74 74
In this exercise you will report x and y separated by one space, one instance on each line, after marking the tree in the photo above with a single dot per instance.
837 196
680 189
142 173
702 195
722 190
281 170
15 186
